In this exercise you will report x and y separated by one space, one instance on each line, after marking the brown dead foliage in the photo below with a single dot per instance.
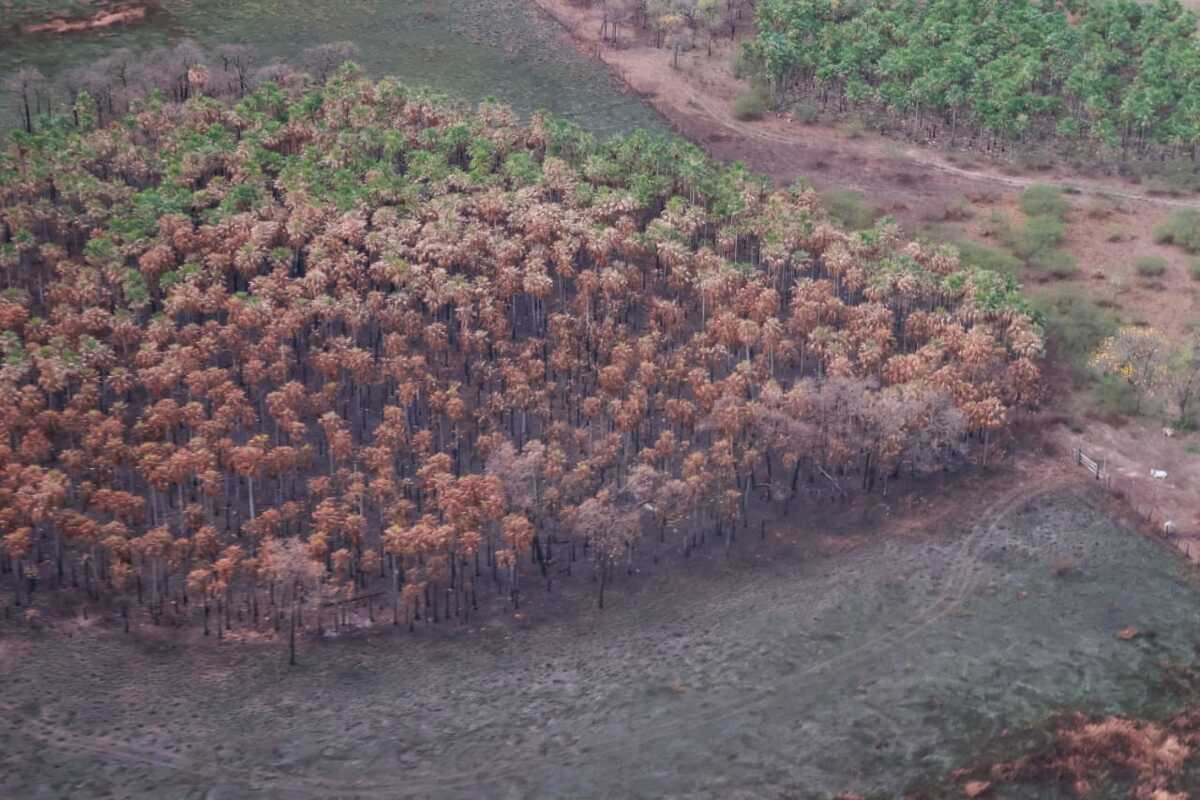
1085 752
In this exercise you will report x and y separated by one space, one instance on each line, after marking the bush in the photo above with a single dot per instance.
1036 161
750 105
743 64
957 210
805 113
996 225
1195 270
989 258
1181 229
1043 200
854 128
851 209
1055 263
1075 327
1116 234
1151 266
1116 396
1039 234
1103 206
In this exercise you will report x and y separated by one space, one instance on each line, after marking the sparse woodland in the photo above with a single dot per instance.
340 339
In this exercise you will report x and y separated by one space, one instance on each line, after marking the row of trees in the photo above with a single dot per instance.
111 83
1120 74
677 24
342 338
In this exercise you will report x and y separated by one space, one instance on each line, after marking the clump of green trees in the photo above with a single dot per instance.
998 76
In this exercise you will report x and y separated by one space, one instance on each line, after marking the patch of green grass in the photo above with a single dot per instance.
1151 266
851 209
1182 229
750 104
1042 200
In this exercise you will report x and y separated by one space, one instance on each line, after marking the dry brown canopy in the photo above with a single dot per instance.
413 336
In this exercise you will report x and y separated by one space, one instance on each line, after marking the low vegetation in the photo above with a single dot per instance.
1151 266
750 105
1181 229
1042 200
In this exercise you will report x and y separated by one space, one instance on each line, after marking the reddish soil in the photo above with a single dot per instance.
118 14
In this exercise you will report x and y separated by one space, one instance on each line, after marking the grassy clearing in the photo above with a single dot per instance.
851 209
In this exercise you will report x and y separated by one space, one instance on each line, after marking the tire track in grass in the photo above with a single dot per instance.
962 582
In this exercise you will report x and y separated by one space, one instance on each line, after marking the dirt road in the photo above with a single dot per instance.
696 98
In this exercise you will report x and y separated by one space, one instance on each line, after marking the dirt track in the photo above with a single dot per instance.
783 678
697 97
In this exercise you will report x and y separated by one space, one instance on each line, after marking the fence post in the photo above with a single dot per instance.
1099 469
1078 455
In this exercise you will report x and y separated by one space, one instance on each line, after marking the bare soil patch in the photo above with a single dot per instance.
105 15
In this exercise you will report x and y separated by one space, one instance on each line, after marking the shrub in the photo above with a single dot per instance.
1037 161
1151 266
1116 234
854 128
1039 233
990 258
1195 270
1043 200
958 209
805 113
743 64
750 104
1075 328
1103 206
1115 396
1181 229
996 225
1055 263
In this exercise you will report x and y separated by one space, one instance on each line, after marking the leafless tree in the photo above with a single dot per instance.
321 61
28 85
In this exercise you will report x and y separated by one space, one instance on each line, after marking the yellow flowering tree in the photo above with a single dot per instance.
1137 355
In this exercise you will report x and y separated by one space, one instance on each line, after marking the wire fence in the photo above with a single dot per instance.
1148 513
